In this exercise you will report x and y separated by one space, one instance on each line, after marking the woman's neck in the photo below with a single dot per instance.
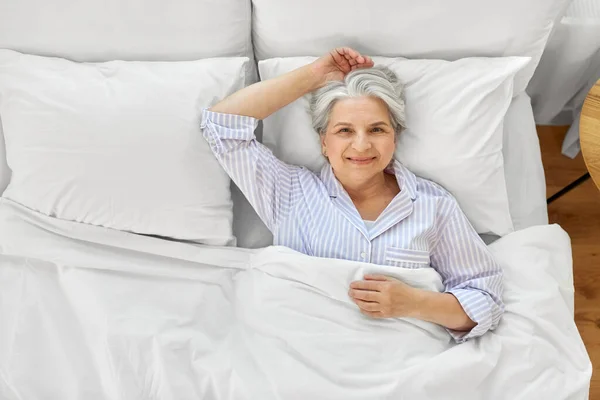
380 185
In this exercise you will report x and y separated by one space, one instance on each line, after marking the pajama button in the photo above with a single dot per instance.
363 254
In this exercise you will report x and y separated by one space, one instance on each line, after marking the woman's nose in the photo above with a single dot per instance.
361 143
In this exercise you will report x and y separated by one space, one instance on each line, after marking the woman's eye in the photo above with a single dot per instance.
344 130
377 130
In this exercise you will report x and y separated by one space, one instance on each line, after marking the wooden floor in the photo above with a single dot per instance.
578 212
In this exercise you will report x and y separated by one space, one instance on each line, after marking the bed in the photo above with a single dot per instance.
111 296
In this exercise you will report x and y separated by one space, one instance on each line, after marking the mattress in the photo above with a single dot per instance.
94 313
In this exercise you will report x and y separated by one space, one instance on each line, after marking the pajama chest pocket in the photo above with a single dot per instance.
406 258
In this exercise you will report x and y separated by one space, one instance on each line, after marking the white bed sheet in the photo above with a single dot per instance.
88 312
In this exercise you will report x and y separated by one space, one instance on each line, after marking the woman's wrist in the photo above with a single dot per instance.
420 303
442 309
318 77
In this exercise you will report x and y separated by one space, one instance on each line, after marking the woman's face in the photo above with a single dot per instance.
359 141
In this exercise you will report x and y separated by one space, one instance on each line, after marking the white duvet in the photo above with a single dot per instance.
90 313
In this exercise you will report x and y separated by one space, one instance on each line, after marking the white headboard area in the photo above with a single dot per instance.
140 30
427 29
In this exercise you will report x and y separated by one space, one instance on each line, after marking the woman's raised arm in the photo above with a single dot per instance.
228 127
264 98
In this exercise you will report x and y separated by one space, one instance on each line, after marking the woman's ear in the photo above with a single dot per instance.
323 145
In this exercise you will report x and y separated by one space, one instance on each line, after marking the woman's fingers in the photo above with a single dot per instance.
378 277
368 302
365 295
368 305
340 60
367 62
353 56
376 286
349 52
347 59
337 56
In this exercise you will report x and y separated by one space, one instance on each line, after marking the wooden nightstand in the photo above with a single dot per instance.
589 132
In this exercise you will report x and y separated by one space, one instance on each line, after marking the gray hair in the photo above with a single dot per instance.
378 81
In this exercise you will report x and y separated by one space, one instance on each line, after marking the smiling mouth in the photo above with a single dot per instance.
361 160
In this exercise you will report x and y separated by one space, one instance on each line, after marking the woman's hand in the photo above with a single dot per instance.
382 296
340 61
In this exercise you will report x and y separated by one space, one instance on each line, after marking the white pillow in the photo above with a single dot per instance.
448 30
118 144
455 113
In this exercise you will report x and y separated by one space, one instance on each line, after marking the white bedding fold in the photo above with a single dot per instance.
88 312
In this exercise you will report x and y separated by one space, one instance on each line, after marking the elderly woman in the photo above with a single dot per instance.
364 205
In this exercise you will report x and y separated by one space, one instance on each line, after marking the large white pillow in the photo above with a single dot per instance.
447 30
118 144
95 31
455 113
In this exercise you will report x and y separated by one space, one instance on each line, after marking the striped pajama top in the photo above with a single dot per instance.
422 227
